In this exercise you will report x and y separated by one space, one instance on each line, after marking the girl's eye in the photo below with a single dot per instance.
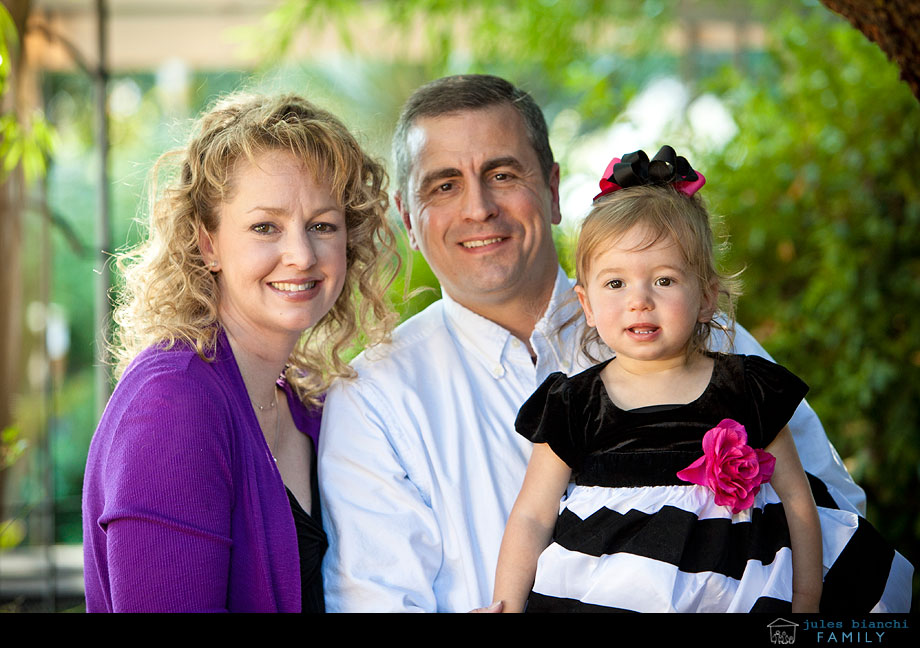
663 281
614 283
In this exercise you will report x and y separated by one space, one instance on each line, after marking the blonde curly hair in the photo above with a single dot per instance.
170 296
666 213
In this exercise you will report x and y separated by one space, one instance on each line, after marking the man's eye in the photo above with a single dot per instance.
446 186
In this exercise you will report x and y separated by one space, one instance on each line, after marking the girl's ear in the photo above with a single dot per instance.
585 304
207 248
709 302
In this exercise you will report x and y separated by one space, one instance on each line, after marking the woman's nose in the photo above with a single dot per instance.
299 250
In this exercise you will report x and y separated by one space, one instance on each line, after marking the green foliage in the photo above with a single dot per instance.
8 37
587 49
24 139
12 445
820 195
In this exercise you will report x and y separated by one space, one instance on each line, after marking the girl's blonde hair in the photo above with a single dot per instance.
666 213
170 296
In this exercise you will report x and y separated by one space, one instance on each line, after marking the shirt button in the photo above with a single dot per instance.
498 371
515 342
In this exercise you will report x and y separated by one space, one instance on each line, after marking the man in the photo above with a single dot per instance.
419 461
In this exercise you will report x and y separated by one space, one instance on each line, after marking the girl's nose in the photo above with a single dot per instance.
640 300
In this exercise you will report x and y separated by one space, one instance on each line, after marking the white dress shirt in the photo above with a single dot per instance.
419 462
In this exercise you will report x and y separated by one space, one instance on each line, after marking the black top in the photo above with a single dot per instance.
608 446
312 544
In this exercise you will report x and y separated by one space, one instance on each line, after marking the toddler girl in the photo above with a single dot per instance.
687 494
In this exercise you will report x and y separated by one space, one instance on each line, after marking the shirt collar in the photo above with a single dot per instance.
489 341
480 336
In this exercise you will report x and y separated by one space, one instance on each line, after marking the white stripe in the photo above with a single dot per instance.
897 594
586 500
636 583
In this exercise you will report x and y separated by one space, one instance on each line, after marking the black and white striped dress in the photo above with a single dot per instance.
631 536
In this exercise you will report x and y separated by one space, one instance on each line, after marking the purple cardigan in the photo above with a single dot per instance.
183 507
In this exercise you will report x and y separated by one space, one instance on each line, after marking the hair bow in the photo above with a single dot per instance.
635 169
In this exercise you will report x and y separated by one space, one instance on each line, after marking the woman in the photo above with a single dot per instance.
200 489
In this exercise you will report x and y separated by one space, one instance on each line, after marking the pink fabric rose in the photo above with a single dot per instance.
730 467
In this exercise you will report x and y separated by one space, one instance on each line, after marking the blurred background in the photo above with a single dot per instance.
803 126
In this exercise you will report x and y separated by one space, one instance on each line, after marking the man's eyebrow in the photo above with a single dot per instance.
439 174
508 161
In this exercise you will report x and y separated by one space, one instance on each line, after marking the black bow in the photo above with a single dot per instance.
666 167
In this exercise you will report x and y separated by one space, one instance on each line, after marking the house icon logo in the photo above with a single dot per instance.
782 632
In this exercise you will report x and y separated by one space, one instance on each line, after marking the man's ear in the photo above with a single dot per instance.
403 210
207 249
585 304
554 191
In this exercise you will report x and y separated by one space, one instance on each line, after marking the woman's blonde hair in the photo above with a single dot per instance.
170 296
666 213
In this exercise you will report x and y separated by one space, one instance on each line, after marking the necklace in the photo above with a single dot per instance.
271 406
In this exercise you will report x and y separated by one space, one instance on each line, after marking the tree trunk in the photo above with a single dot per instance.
12 201
894 25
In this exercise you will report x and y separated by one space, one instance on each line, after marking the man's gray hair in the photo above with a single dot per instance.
468 92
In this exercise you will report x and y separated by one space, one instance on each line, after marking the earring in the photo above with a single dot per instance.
213 264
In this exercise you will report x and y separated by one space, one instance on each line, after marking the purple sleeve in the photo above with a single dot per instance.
168 497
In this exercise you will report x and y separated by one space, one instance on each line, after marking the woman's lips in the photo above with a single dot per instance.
293 286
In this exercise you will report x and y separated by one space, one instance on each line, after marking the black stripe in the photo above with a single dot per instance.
857 579
538 603
541 603
772 605
678 537
819 491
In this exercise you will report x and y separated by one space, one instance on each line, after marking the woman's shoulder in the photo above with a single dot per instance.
174 382
175 367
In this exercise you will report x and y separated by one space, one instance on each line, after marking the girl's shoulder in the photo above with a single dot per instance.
768 392
584 381
558 404
759 373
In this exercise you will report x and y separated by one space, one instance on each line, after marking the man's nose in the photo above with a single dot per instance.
480 204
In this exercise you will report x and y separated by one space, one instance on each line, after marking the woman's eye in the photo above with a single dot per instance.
323 228
263 228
